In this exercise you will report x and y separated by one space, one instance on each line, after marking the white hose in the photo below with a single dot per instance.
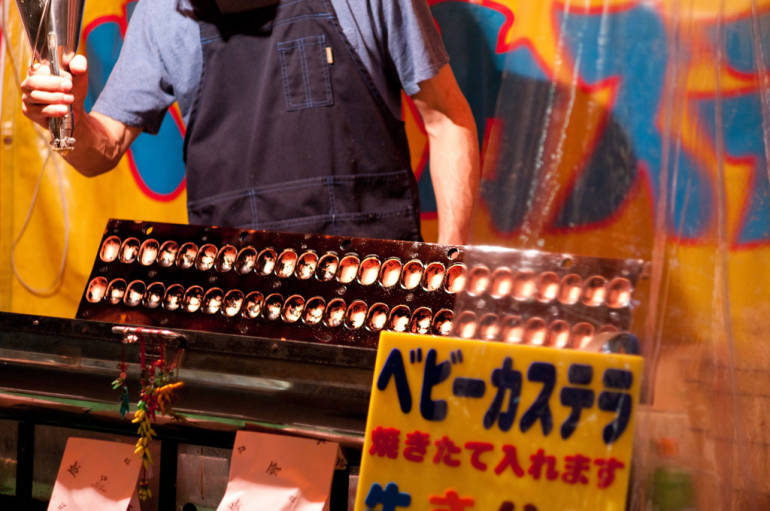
52 288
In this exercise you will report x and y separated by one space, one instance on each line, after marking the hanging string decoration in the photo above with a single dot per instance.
158 382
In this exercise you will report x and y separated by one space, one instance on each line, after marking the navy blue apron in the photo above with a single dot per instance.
289 133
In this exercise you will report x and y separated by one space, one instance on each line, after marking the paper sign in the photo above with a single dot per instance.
96 474
458 425
279 473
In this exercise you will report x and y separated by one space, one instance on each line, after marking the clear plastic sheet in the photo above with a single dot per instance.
639 130
622 129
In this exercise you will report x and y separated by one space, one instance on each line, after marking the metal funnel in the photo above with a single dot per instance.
53 29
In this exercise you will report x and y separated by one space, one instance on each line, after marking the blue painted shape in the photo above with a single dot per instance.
742 131
739 42
102 49
158 158
603 185
425 190
632 44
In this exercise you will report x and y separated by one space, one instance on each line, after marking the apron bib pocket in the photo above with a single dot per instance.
305 73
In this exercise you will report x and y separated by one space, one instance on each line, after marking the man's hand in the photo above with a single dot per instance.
45 95
100 141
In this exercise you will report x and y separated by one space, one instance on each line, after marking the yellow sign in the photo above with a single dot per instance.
457 425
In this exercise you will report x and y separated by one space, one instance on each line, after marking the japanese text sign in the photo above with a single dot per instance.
458 425
96 474
279 473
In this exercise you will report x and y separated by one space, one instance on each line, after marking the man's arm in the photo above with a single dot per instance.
100 141
454 153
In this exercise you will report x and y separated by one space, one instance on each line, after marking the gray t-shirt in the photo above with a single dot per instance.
161 60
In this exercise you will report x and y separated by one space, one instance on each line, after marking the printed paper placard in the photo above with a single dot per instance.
279 472
96 474
458 425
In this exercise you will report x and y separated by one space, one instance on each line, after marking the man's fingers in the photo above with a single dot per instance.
44 69
46 98
34 108
41 113
38 68
45 95
55 110
78 65
47 83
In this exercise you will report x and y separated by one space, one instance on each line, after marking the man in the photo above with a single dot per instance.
292 111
